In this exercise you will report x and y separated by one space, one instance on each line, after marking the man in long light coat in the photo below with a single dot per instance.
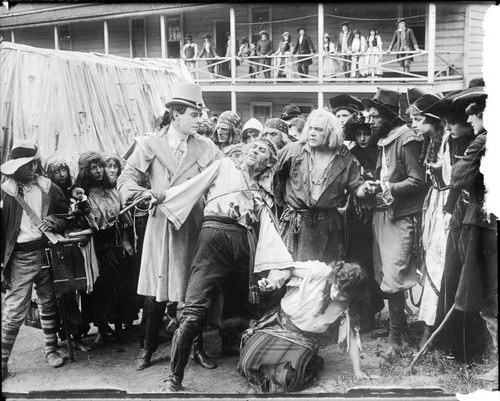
174 156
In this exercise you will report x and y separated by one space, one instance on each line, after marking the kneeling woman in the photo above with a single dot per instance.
280 352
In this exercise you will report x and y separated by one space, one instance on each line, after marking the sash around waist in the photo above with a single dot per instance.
223 223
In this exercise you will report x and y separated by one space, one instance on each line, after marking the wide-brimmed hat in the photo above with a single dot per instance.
290 111
22 152
231 118
244 39
386 99
301 27
285 33
346 100
207 36
190 37
468 96
413 94
401 20
187 94
326 35
264 31
445 107
344 23
423 103
479 81
253 123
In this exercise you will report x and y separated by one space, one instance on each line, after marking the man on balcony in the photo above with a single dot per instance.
264 49
404 41
343 45
398 206
304 46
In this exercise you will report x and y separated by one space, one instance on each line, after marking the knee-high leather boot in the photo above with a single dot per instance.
154 320
199 355
189 327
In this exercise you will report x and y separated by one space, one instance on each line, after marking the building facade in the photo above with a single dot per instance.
449 35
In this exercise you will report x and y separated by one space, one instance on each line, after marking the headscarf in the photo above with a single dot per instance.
54 163
276 123
231 118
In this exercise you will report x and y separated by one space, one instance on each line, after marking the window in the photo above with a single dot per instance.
138 38
305 108
174 37
416 14
261 17
261 110
64 37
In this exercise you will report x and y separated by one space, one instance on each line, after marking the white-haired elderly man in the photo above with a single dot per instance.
229 251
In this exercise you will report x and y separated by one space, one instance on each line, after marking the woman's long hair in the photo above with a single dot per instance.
84 178
432 140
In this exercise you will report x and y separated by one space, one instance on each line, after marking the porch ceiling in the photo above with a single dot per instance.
330 87
23 15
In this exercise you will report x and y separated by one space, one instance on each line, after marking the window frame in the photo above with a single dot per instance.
60 29
264 25
132 39
261 104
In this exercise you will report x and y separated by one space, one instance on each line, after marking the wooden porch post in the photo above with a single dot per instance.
431 57
56 37
321 53
106 37
163 36
234 106
232 32
12 36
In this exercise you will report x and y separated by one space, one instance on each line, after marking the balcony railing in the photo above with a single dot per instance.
347 67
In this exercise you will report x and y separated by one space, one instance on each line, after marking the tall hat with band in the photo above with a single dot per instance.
23 151
187 94
346 100
385 99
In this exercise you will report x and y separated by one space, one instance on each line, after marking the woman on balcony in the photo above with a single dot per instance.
357 46
284 49
373 56
247 49
328 61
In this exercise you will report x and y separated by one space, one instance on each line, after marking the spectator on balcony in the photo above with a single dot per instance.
357 46
373 56
247 49
189 51
209 52
344 106
311 181
404 41
228 131
230 52
264 49
398 205
343 45
251 130
303 46
328 61
284 49
276 130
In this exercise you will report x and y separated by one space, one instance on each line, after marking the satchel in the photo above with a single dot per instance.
32 319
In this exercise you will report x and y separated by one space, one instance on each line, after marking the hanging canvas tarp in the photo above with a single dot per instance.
70 102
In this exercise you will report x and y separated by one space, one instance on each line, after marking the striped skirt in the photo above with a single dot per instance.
273 364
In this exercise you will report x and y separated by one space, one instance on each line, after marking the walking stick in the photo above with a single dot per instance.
429 341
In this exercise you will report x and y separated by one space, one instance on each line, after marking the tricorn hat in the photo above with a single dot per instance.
444 107
468 96
346 100
423 103
187 94
413 94
23 151
384 98
264 31
290 111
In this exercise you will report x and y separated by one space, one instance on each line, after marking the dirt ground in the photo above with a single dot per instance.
112 368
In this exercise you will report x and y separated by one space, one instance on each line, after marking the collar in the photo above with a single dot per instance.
393 134
176 135
11 186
